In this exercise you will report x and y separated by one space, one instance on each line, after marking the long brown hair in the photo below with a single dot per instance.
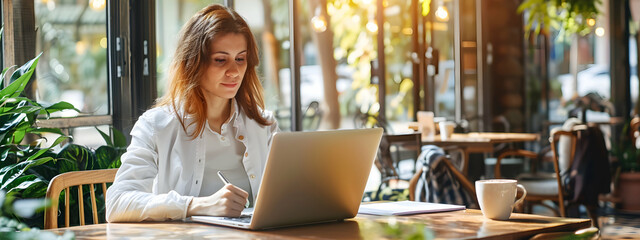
191 59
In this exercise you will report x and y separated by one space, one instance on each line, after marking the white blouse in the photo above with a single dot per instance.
163 168
224 153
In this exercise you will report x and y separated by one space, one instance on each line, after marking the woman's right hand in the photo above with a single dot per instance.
229 201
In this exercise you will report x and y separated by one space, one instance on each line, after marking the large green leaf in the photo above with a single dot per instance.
19 79
105 156
46 171
33 189
66 165
4 153
119 146
4 72
119 140
26 110
116 163
46 130
106 137
83 156
10 122
15 184
44 150
10 173
59 106
20 132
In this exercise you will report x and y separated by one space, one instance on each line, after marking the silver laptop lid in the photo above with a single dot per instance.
315 176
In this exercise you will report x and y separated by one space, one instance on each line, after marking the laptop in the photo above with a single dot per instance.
309 177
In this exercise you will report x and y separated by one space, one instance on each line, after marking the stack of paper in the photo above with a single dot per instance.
406 208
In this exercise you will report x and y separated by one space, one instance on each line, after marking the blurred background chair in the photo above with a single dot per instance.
578 181
67 180
438 180
512 166
312 116
542 186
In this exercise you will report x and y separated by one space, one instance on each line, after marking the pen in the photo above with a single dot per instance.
225 181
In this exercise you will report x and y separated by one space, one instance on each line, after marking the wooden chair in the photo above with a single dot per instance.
551 184
462 179
77 178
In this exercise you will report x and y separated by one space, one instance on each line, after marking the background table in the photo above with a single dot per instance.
468 224
478 142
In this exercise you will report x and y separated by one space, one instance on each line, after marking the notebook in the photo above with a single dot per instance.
310 177
406 208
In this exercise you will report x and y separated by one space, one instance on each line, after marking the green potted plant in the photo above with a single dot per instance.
27 167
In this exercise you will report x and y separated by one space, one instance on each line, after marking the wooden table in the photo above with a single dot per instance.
466 224
478 142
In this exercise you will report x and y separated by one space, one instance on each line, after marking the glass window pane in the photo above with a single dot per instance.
86 136
336 60
72 36
170 16
469 73
593 76
442 42
89 136
269 22
398 65
354 29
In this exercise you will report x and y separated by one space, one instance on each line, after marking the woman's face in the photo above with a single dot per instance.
227 66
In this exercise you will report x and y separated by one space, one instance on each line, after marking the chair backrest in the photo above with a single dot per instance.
312 116
458 184
555 140
77 178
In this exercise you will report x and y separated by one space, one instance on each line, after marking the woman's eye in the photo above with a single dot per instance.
220 60
240 59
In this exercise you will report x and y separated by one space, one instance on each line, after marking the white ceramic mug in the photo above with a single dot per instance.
496 197
446 129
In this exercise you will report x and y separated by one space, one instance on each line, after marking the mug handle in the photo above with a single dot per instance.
524 194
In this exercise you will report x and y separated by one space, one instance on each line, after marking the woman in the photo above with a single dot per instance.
210 120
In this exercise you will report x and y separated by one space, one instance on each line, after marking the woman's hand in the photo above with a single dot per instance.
229 201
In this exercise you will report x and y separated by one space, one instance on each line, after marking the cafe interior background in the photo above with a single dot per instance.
484 64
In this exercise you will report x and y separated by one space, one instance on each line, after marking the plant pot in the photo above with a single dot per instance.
629 190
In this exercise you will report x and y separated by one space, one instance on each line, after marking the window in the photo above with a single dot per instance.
72 37
593 76
442 32
398 61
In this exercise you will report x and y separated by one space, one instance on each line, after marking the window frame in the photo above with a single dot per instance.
127 99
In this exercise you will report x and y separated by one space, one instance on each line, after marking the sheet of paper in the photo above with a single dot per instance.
406 208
